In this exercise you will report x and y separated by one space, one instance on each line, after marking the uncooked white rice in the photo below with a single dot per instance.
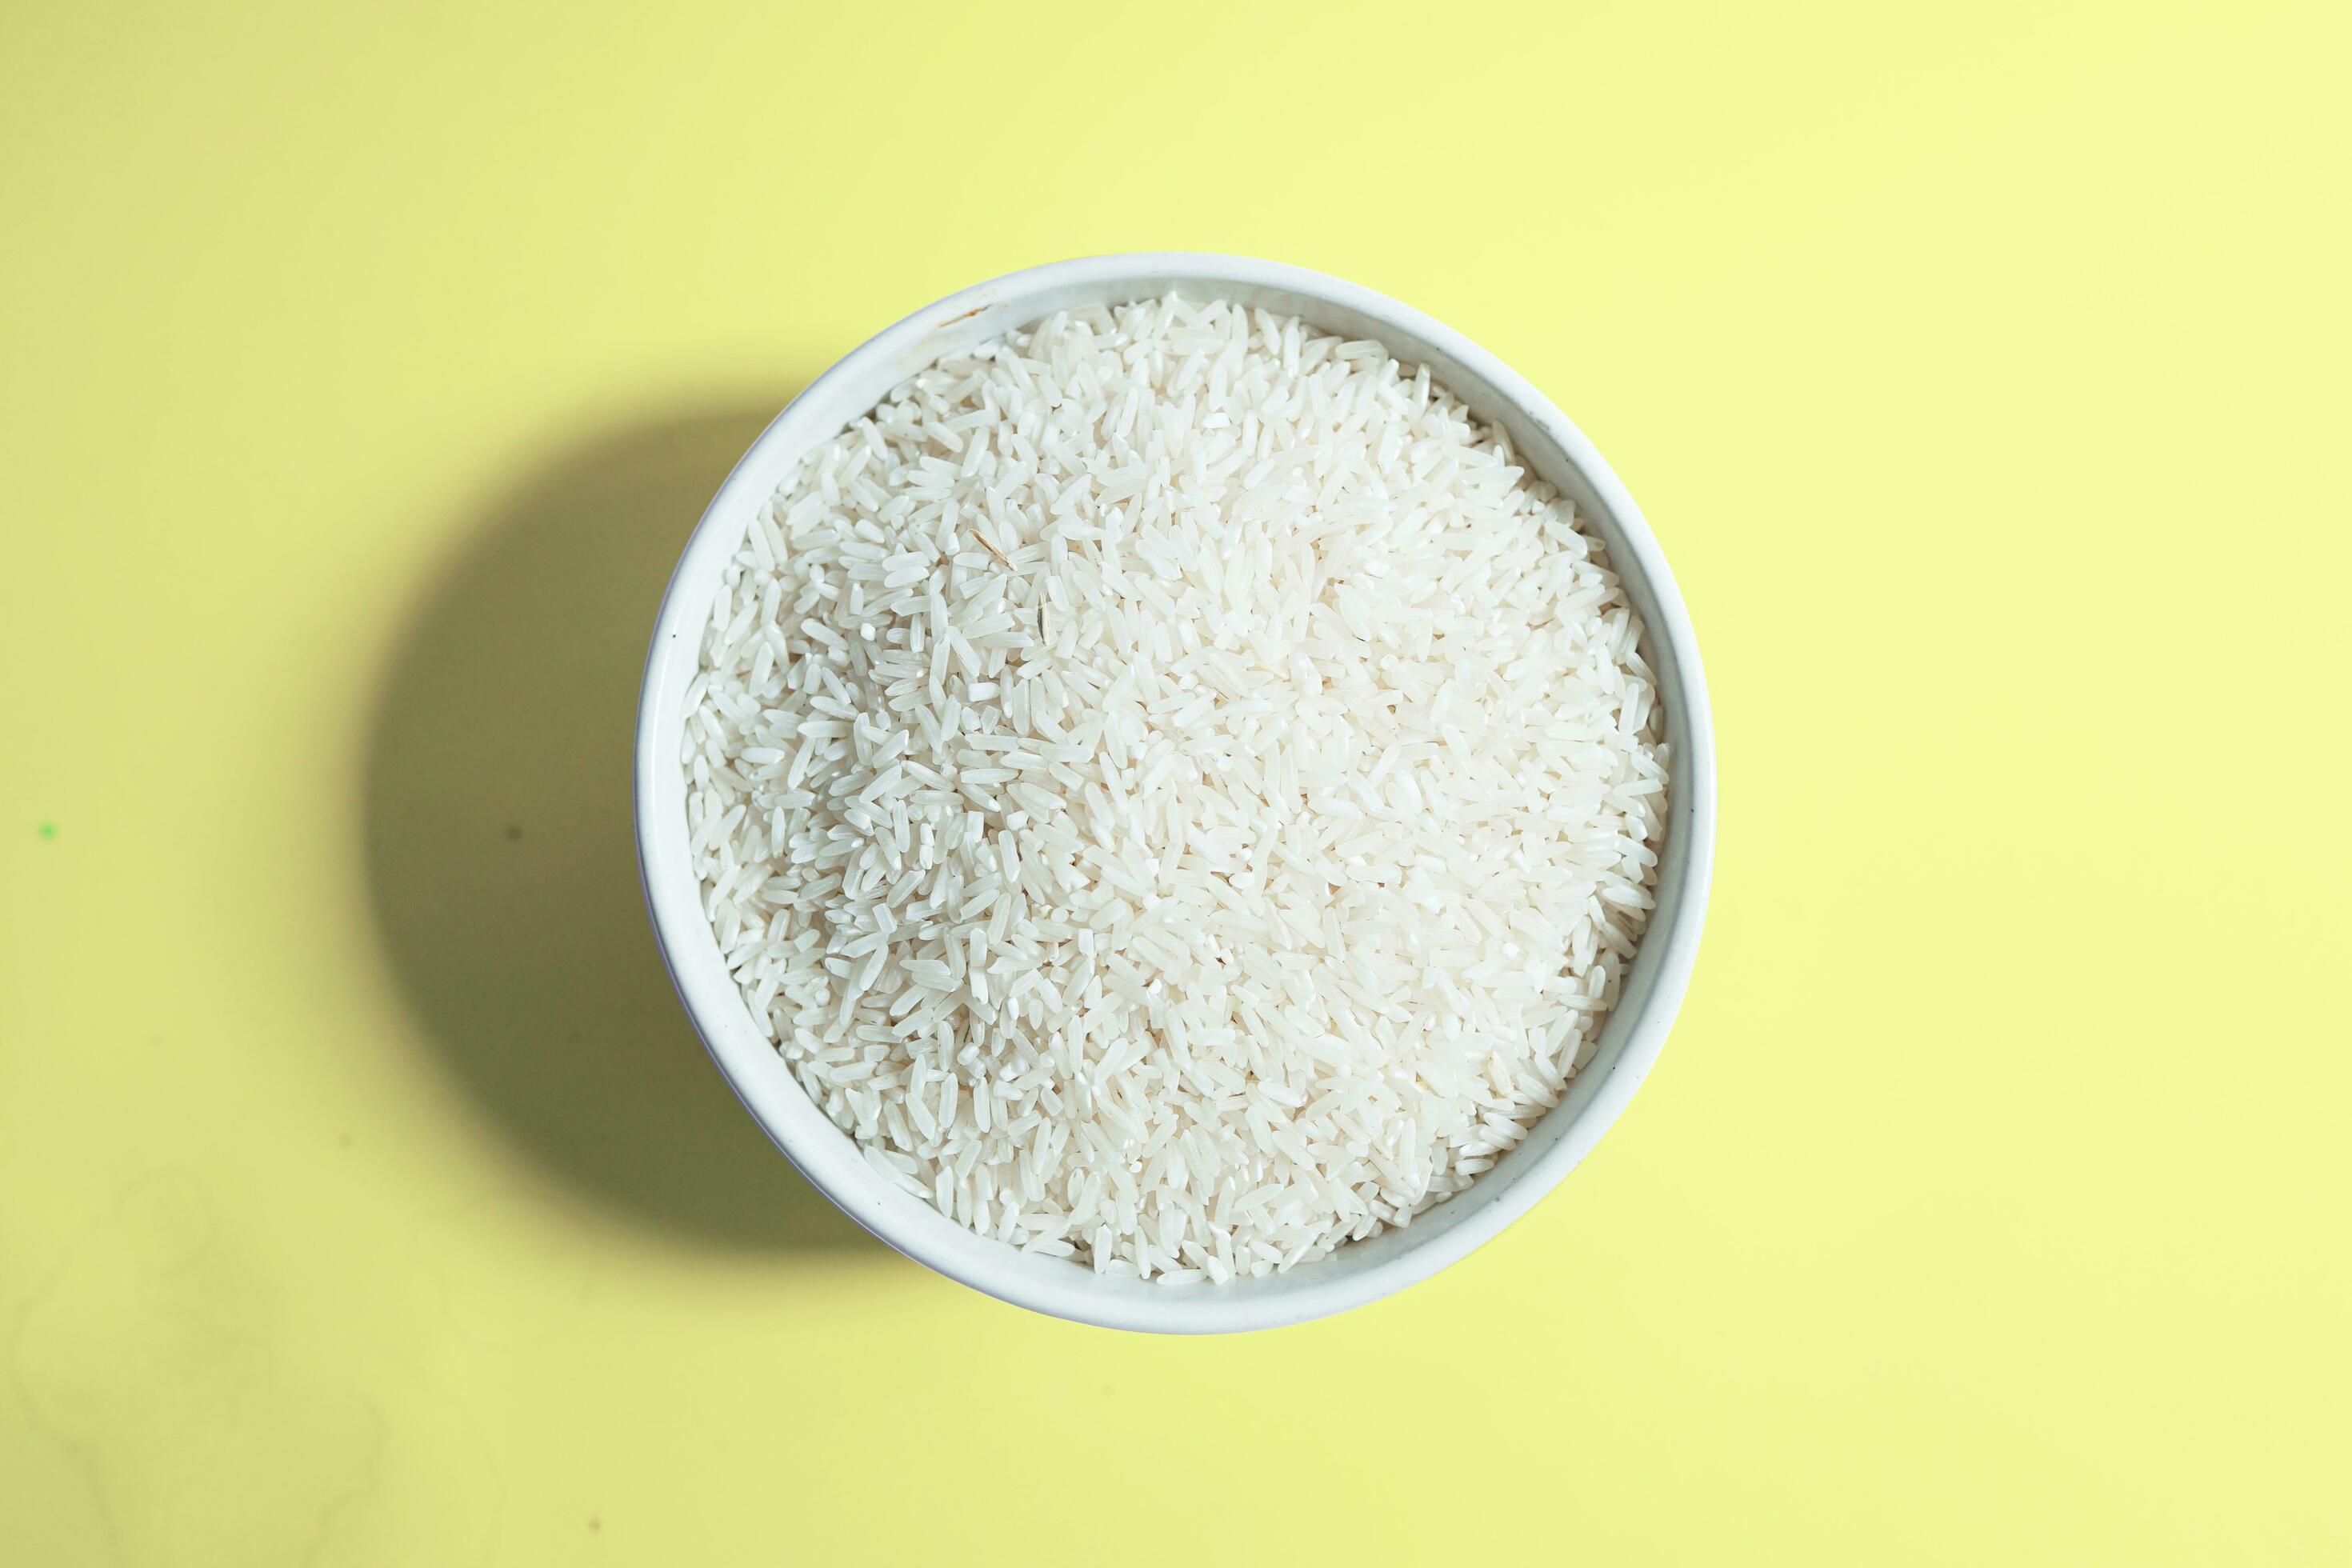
1178 793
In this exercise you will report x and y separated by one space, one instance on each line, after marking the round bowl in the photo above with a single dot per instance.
1358 1271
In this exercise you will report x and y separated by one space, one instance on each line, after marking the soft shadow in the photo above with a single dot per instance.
501 856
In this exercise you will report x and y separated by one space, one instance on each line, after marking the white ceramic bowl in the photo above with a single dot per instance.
1361 1271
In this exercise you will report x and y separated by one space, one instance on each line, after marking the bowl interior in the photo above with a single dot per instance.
1361 1271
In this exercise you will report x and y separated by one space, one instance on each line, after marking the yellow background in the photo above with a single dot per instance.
363 1198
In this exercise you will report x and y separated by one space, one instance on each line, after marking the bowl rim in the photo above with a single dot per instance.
1360 1272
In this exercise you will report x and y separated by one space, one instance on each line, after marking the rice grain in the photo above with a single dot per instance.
1175 789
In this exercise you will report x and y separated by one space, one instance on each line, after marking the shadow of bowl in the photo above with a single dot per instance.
501 860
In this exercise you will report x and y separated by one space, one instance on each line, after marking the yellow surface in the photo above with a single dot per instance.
363 1198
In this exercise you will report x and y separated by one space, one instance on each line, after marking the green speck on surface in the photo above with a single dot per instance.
49 830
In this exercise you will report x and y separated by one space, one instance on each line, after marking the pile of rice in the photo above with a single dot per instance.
1179 794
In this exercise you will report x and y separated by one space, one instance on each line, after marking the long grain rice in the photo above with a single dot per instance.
1175 789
